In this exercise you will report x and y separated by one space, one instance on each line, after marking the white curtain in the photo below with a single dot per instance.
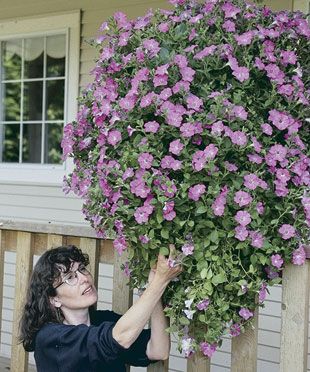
55 47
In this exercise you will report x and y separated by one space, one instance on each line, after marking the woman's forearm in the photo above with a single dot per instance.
130 325
158 347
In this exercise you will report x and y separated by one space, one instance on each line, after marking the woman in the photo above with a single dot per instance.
66 334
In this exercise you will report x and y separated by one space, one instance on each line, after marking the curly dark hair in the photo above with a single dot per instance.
38 309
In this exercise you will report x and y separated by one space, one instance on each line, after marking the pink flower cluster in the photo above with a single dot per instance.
199 138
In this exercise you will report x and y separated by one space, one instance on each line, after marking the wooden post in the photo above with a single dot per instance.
122 295
198 363
54 241
24 257
1 278
161 366
91 247
295 316
244 349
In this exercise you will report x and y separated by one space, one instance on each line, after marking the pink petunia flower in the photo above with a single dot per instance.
243 218
207 349
299 256
151 127
145 160
242 198
287 231
188 249
168 211
229 26
241 73
251 181
257 239
195 192
262 293
241 233
245 38
276 261
114 137
235 330
239 138
245 313
194 102
266 129
175 147
203 305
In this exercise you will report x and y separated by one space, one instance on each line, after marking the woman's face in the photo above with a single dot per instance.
81 294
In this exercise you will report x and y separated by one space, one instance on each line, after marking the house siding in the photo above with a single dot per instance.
43 202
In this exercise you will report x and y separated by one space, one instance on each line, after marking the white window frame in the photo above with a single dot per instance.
303 5
43 25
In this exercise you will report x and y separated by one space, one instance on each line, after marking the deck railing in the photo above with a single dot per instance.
28 240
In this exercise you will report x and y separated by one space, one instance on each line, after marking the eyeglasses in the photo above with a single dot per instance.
72 278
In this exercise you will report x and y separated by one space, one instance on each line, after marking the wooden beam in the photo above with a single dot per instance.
198 363
54 241
106 252
1 277
9 239
244 349
122 295
161 366
295 317
48 228
91 247
24 259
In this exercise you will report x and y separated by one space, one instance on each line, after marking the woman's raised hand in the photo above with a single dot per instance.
164 269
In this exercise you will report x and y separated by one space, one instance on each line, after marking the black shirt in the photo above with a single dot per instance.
69 348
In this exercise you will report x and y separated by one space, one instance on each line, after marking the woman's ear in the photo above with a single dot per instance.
55 301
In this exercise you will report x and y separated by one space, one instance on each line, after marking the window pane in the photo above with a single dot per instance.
53 136
33 100
32 143
10 142
55 100
33 54
11 101
11 60
56 52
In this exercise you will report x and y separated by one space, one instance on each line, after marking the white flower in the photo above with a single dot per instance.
188 303
187 346
189 313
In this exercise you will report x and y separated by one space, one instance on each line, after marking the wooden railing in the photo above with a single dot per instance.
28 240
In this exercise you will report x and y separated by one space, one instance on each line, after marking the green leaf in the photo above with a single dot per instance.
209 223
263 260
219 278
210 274
204 273
253 259
252 269
164 233
164 55
184 321
202 209
159 217
164 251
214 236
180 30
